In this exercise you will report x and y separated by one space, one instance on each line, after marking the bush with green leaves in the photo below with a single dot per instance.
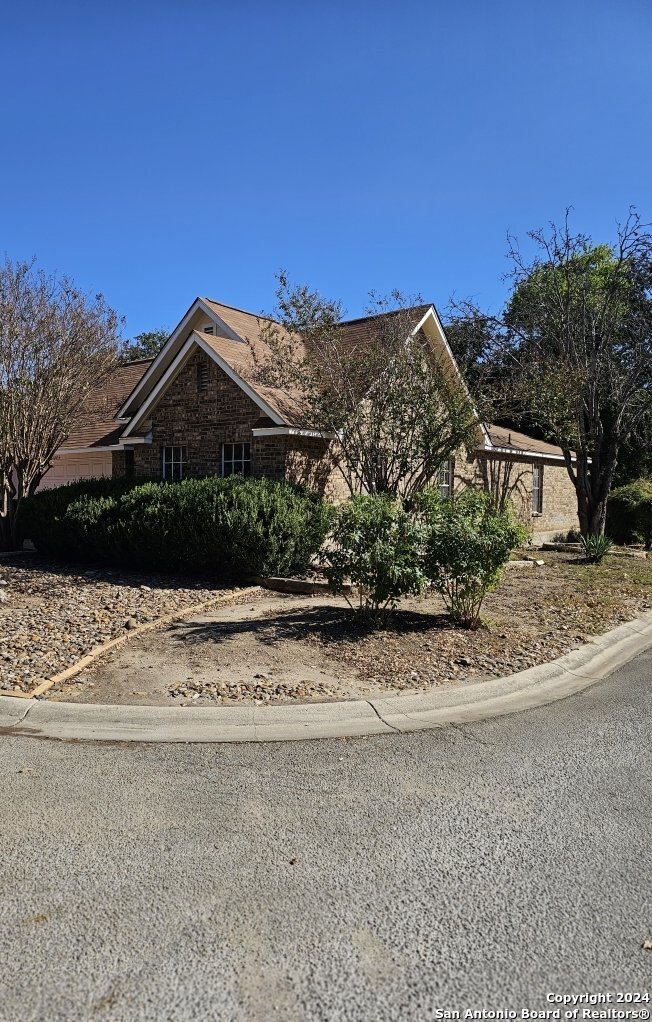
468 544
596 546
42 515
377 547
231 528
629 513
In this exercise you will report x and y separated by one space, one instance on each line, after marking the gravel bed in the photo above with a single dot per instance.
51 615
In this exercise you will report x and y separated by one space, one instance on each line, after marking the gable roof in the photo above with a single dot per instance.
97 425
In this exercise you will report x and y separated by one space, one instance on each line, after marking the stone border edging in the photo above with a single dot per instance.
148 626
526 690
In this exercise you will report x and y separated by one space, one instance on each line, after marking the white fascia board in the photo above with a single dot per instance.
171 371
120 446
293 431
445 340
432 313
196 341
83 450
198 304
518 453
229 331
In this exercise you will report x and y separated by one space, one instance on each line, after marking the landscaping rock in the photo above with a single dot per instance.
58 614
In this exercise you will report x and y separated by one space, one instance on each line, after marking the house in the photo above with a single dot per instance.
199 408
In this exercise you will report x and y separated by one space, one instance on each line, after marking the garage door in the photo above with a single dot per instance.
68 468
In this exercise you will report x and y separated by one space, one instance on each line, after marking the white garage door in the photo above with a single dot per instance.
68 468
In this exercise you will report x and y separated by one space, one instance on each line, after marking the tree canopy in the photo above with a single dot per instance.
380 391
572 351
56 345
144 345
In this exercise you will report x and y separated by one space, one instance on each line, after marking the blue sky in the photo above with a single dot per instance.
156 151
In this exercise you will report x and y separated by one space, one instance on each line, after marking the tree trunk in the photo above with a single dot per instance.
592 489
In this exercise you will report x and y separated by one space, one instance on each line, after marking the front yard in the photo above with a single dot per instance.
272 647
51 615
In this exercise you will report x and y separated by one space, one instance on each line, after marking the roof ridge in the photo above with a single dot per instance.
390 312
342 322
134 362
236 308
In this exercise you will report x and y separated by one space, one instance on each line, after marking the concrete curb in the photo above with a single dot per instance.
526 690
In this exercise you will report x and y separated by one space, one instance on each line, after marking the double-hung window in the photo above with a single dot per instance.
236 459
537 489
175 461
445 478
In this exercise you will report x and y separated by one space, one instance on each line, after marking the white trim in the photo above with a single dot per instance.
105 447
243 460
521 453
249 391
432 313
292 431
197 305
174 368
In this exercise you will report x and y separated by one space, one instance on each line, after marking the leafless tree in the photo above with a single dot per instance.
56 345
377 386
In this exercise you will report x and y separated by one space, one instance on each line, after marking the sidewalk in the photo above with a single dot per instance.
382 715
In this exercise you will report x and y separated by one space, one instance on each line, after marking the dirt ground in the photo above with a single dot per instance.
274 647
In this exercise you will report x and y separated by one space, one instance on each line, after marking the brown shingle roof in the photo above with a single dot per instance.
97 425
249 326
509 439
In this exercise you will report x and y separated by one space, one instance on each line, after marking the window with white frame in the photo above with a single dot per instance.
445 478
236 459
537 489
175 461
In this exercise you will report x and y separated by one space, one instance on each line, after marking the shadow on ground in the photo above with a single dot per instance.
327 624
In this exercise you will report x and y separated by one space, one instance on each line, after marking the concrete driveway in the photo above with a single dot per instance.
478 866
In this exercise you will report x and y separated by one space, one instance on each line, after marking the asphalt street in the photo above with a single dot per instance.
477 866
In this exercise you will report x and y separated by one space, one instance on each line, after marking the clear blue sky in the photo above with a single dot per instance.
156 151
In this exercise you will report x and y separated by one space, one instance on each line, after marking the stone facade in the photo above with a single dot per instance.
510 478
203 409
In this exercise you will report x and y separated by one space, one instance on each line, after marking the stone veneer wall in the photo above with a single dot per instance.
509 474
203 421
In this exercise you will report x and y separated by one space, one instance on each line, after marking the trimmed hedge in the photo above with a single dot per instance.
232 528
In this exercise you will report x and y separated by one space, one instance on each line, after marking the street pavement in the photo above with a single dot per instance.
472 867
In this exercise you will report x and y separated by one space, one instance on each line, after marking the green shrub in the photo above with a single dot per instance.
232 528
595 547
467 545
629 513
42 514
377 547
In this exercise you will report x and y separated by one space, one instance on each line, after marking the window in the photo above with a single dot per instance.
202 376
537 489
236 459
445 478
208 329
175 462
